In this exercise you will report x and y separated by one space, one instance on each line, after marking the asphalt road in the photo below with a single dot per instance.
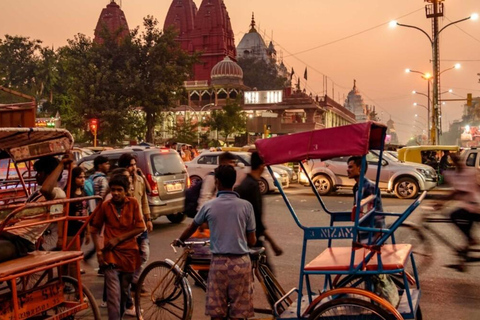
446 293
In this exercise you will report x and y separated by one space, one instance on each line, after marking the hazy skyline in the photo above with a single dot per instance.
343 39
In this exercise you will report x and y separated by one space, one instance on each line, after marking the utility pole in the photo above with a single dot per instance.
434 10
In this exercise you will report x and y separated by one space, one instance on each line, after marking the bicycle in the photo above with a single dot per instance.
164 292
423 234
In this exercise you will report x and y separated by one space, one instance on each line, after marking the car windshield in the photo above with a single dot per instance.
245 157
389 156
167 164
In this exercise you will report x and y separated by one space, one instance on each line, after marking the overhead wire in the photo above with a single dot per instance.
334 83
459 28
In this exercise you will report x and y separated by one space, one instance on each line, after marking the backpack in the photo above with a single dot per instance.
192 195
89 184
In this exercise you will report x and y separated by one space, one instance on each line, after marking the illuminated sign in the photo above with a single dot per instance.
263 97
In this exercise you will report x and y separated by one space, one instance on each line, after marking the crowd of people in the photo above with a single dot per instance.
230 206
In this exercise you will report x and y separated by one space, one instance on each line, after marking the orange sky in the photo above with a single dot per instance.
309 33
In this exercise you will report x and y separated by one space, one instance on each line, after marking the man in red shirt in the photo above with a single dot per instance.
123 221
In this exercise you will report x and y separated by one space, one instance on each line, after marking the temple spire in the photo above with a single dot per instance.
252 24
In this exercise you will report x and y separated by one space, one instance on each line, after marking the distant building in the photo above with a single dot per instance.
354 103
111 20
391 132
252 45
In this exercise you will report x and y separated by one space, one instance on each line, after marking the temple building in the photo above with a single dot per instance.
218 79
113 21
207 30
181 16
252 45
354 103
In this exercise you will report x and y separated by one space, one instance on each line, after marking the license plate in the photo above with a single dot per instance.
172 187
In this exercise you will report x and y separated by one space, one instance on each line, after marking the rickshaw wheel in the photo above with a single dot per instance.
70 292
37 279
50 237
358 282
170 299
350 308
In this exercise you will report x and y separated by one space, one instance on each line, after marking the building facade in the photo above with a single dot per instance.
207 30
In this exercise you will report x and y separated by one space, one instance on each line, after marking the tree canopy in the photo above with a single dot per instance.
261 74
123 82
231 119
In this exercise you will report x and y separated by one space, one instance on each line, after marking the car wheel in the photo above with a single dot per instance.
176 217
406 188
194 180
323 184
263 184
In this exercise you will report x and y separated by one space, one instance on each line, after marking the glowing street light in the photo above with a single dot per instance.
434 10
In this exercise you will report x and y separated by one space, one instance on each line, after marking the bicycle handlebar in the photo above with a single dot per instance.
188 244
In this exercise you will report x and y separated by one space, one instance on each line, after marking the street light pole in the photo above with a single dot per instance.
426 76
435 10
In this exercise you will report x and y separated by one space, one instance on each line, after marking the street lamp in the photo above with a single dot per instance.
419 117
426 76
456 66
435 10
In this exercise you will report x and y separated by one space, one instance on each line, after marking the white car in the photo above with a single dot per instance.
206 162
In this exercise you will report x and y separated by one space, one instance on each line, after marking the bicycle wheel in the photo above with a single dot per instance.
71 294
50 237
37 279
359 282
170 299
350 309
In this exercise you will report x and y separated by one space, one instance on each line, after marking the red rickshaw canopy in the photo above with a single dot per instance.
355 139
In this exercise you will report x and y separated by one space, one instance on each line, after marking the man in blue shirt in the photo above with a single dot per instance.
353 172
232 231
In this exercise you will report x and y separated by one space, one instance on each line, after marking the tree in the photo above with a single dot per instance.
97 78
28 67
186 132
158 71
261 74
231 119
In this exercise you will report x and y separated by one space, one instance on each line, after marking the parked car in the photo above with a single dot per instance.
292 175
79 153
206 162
403 179
165 173
471 159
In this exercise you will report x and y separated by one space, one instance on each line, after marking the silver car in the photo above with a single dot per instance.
165 172
207 161
404 179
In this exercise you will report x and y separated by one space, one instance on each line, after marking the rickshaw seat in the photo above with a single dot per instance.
35 259
394 256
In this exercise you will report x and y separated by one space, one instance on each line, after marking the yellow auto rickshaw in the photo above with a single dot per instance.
428 154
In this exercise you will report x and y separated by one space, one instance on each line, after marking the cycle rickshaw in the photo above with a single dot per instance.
347 272
35 286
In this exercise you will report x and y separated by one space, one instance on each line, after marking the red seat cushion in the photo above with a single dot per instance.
394 256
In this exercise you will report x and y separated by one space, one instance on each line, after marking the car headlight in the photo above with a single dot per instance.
276 175
426 173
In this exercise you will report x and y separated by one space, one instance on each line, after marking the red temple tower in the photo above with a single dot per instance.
182 15
211 34
113 20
